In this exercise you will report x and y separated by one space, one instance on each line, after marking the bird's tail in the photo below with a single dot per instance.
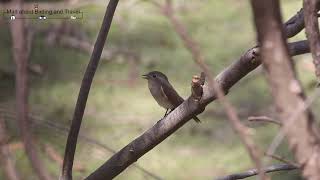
196 119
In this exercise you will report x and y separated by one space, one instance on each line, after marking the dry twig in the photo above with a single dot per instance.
253 172
263 119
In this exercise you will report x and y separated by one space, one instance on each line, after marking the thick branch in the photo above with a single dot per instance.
295 24
253 172
312 31
84 91
160 131
193 47
286 89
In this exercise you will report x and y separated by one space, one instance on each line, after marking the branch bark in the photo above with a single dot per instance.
253 172
312 31
177 118
20 55
66 173
303 135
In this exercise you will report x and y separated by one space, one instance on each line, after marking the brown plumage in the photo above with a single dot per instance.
163 92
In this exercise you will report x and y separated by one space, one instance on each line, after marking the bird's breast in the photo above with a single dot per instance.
158 94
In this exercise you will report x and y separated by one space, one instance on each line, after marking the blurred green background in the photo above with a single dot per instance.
120 106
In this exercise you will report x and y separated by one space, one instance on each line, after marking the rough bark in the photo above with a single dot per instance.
302 134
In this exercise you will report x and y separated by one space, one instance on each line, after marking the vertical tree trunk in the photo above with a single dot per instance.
20 51
298 123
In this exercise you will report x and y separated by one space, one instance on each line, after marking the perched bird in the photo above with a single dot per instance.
163 92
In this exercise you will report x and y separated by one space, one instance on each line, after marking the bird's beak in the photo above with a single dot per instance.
145 76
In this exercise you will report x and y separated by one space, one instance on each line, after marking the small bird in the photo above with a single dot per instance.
163 92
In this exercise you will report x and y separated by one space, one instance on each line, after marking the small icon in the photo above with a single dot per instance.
73 17
42 17
36 8
12 17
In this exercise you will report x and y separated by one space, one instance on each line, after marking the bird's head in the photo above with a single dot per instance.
155 76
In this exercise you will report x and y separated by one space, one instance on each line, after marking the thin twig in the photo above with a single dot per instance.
281 159
277 140
253 172
264 119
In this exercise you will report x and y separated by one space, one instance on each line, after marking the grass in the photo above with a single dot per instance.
116 113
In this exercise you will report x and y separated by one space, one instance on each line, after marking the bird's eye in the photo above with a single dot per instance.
154 76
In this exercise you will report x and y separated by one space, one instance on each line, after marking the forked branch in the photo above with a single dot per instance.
177 118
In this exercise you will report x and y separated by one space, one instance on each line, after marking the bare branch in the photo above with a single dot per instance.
303 134
193 47
281 159
66 173
294 25
177 118
20 55
253 172
263 119
52 124
312 31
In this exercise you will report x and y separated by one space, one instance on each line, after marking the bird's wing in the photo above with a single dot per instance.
171 94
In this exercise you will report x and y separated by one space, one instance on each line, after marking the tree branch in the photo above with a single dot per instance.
312 31
281 159
61 130
20 55
66 173
177 118
263 119
253 172
295 24
303 134
193 47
